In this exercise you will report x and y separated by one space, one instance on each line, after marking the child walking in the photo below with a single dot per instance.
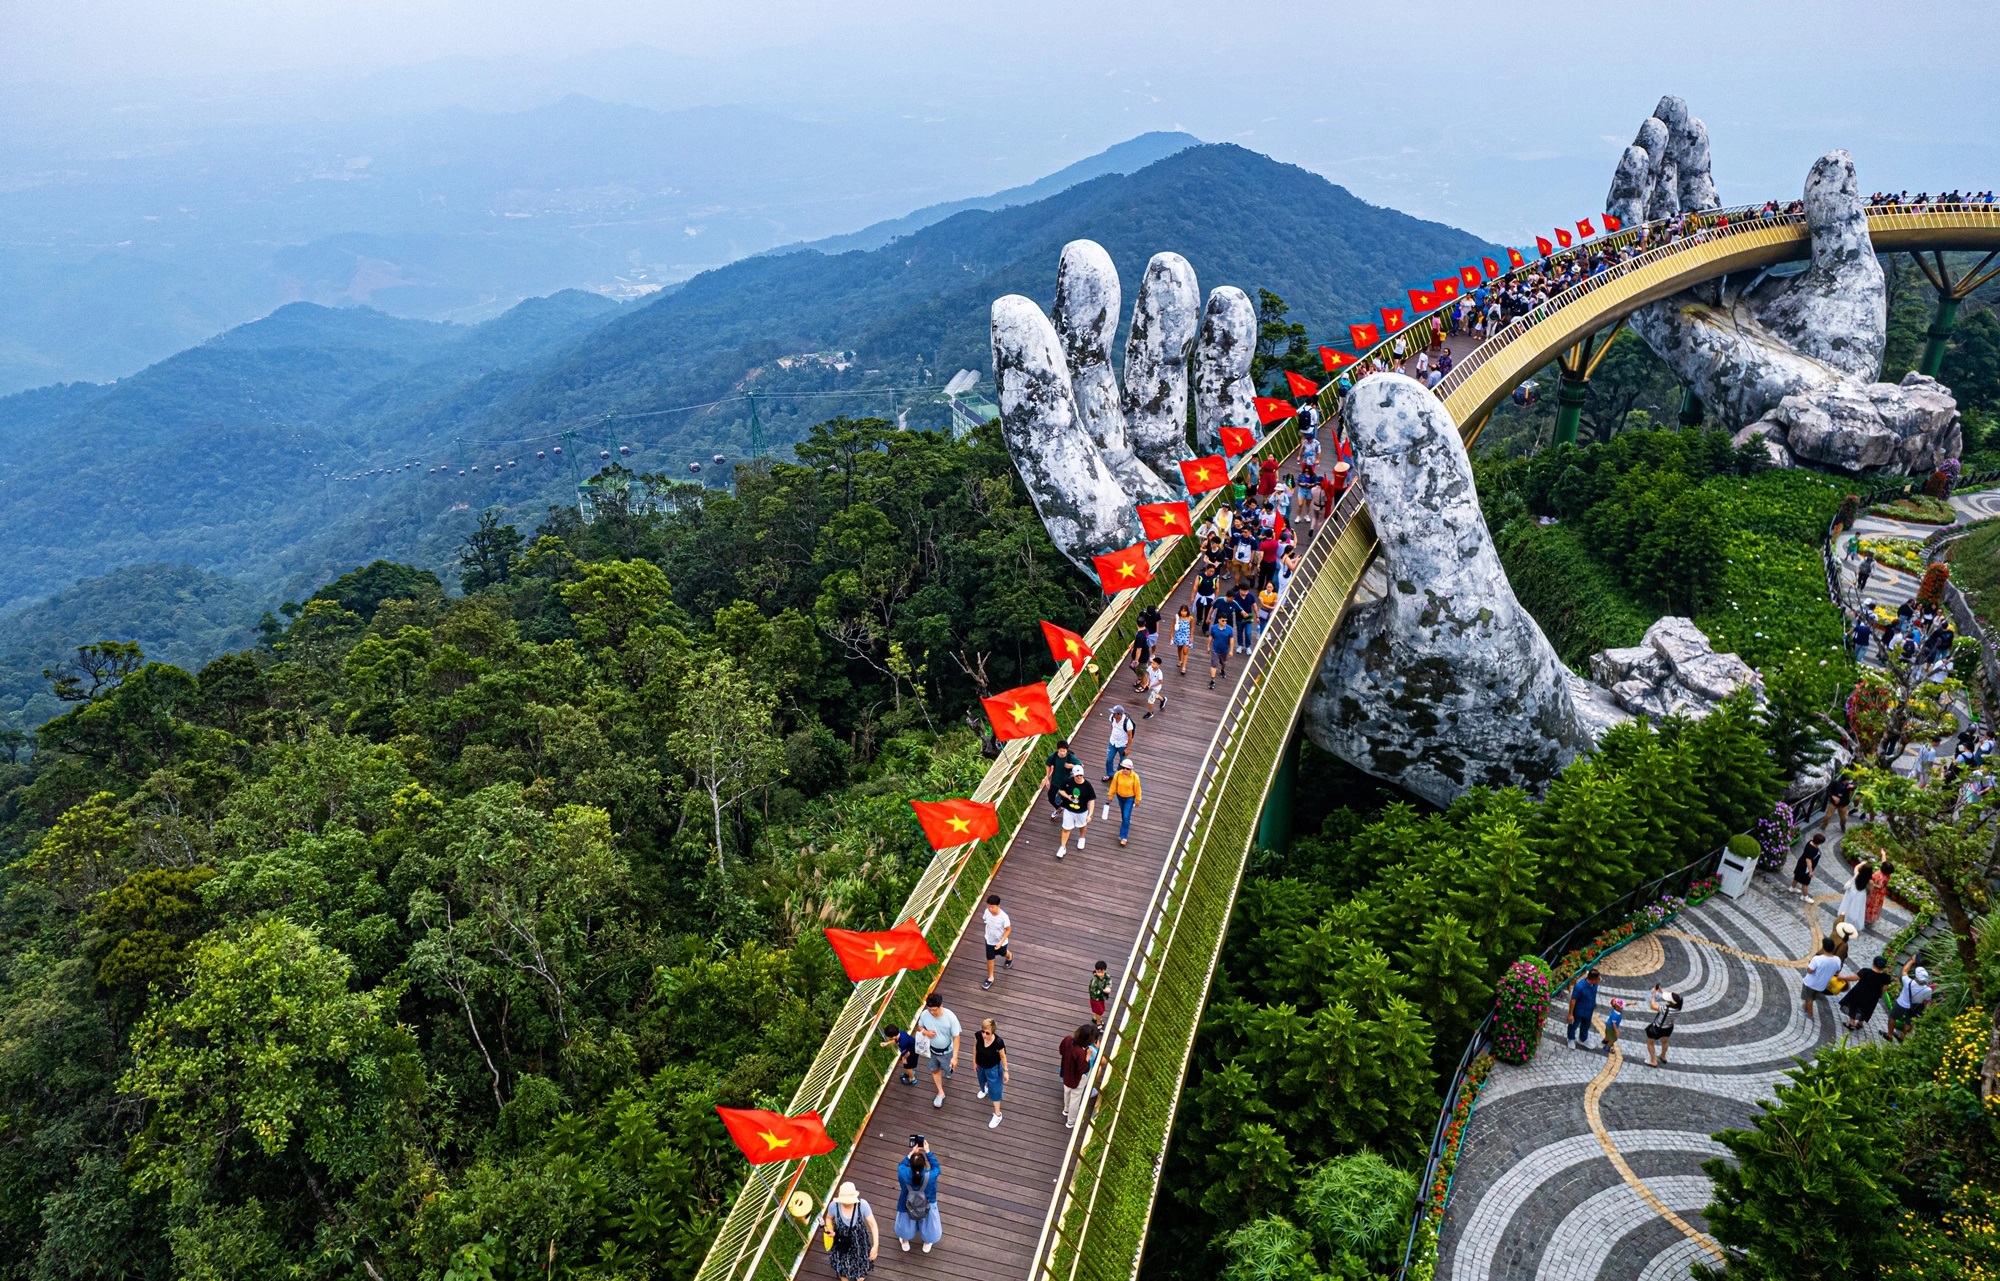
1183 636
1100 992
1156 686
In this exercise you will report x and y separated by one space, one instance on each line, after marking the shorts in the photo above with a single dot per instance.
1611 1033
939 1061
910 1059
998 949
1097 1010
1073 819
1809 992
1658 1033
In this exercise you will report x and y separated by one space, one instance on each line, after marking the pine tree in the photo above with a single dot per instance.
1658 780
1403 1043
1448 976
1734 767
1498 892
1582 834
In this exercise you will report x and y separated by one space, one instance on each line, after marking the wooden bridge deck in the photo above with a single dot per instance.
996 1184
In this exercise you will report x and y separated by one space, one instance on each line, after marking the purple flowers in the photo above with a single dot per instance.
1775 837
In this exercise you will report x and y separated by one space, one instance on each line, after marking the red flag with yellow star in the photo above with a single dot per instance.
1585 230
1024 711
1515 259
1469 276
1204 474
1300 384
1611 223
765 1137
1162 520
1422 300
1272 409
1363 336
1241 440
1065 646
1562 237
953 823
1123 568
1492 268
1392 319
1446 289
1335 360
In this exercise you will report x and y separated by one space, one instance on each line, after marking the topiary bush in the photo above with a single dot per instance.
1746 848
1521 1003
1358 1209
1850 508
1931 590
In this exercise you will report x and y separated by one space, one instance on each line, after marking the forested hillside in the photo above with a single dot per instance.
426 934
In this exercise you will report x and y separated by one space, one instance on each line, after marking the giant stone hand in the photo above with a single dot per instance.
1791 359
1087 451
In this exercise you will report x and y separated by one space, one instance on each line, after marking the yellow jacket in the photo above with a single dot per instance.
1126 783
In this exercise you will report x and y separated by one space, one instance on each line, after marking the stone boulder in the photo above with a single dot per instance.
1911 427
1673 671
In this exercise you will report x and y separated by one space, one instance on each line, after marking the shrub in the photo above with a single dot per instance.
1358 1208
1965 658
1746 848
1924 509
1937 485
1850 508
1931 590
1776 835
1522 1003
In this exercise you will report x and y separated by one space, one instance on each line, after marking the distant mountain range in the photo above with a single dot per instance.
283 452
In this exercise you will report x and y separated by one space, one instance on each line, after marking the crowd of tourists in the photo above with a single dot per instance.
1904 200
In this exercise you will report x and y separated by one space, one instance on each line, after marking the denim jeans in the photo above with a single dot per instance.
1124 817
1111 755
1579 1029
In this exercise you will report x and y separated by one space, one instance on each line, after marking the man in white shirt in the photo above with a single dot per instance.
1910 1001
940 1027
1819 972
998 929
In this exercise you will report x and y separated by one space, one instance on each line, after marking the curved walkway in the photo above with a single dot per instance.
1581 1165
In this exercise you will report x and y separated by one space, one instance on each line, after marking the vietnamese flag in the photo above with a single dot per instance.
1024 712
1117 571
1203 474
1239 440
1611 223
1392 319
1492 268
1270 409
765 1137
1515 259
1300 384
879 954
1163 520
1422 300
1542 243
950 823
1469 277
1585 230
1334 360
1363 336
1446 289
1065 646
1562 237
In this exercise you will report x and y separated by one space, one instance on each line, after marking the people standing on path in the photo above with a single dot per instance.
1864 994
1819 973
1582 1009
852 1239
999 930
917 1178
1156 689
1075 1055
1854 899
1077 801
1613 1023
1861 574
1100 992
938 1027
1837 800
1122 727
1802 871
1878 890
1220 637
989 1059
1911 999
1125 789
1056 777
1842 937
1183 636
1665 1006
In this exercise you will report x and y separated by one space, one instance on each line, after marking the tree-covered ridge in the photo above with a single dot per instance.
427 934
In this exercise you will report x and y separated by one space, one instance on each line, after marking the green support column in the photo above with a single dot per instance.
1274 825
1570 394
1691 410
1938 335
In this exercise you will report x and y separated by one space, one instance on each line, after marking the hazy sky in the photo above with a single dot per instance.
1499 118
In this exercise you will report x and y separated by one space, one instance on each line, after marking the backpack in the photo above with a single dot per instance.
915 1203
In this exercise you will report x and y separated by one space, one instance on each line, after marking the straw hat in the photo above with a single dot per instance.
848 1194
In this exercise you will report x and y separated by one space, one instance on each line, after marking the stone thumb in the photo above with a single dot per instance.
1837 310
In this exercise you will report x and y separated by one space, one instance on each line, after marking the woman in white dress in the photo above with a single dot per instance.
1854 900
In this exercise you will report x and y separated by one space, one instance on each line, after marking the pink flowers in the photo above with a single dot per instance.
1521 1002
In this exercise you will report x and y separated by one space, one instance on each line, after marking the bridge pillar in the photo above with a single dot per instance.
1570 394
1691 408
1938 335
1274 825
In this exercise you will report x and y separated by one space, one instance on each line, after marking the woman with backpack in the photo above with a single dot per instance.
916 1195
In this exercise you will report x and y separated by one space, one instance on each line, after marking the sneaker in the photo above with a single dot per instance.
938 1102
1069 1125
1211 684
1149 716
927 1247
982 1092
994 1124
1121 841
982 987
1079 842
906 1246
1007 965
1059 852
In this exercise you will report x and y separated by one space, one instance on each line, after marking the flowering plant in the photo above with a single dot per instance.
1775 836
1702 888
1521 1004
1454 1135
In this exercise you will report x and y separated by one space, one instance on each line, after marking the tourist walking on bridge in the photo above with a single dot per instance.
1126 791
916 1195
852 1238
999 929
1076 1056
989 1059
1077 799
938 1029
1122 727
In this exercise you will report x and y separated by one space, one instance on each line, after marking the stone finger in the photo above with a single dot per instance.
1166 316
1652 139
1836 311
1086 318
1631 187
1697 186
1222 385
1080 501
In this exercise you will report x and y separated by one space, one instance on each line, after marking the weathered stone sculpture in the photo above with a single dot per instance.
1087 452
1444 682
1790 359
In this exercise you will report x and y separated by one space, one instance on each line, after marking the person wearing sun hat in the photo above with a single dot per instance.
852 1238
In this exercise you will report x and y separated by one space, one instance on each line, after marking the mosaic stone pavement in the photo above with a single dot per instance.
1582 1165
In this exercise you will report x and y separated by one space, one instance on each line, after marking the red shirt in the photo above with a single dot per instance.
1267 477
1269 549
